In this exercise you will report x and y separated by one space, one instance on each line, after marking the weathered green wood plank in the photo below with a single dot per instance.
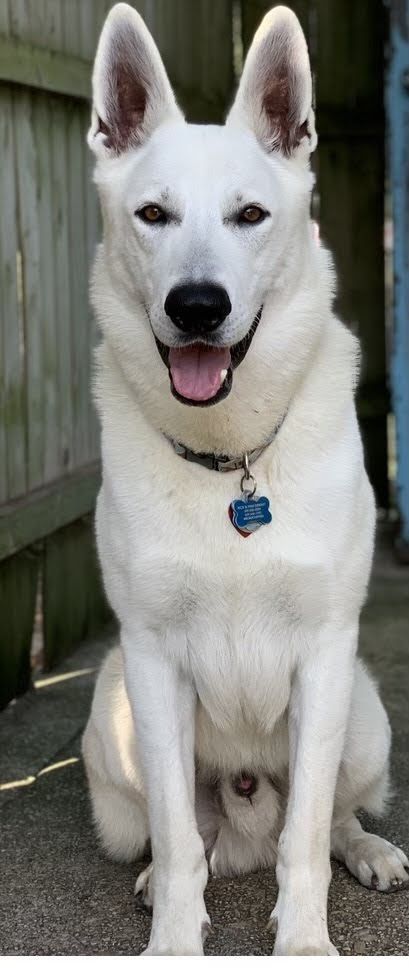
73 599
350 40
5 133
350 121
27 175
60 219
79 318
53 33
38 22
33 517
93 235
18 586
214 43
40 68
91 20
12 362
70 26
352 225
4 18
195 40
27 21
92 16
3 437
52 454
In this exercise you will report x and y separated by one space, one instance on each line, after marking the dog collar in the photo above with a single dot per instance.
223 463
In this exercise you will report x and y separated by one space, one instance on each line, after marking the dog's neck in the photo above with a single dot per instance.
242 422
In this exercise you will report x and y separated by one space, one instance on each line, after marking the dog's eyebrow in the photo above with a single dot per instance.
234 206
155 192
171 203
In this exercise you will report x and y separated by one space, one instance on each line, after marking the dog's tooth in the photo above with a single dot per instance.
223 375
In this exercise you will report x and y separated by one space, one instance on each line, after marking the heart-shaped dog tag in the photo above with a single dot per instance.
249 514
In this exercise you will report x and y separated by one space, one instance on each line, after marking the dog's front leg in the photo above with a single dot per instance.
318 715
163 703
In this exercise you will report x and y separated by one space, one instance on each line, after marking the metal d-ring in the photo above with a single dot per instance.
248 492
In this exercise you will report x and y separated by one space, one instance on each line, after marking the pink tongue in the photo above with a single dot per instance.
197 370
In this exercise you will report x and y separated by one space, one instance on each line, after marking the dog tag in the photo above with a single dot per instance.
249 513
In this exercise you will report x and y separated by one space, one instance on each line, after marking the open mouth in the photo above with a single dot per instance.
201 374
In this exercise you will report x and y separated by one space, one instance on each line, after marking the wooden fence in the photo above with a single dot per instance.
49 470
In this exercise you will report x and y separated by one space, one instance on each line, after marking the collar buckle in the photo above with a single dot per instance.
224 463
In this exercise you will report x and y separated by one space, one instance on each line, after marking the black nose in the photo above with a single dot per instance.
197 308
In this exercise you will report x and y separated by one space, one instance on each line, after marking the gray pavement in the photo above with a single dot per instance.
60 895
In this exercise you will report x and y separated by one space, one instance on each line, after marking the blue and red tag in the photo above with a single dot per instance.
249 514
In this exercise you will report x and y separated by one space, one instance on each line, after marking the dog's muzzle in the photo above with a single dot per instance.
201 370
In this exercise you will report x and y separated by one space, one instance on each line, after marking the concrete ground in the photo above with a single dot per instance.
60 895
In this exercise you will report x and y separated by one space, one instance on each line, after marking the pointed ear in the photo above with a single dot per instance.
274 98
131 90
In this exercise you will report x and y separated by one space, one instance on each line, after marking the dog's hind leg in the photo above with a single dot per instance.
363 782
111 761
120 819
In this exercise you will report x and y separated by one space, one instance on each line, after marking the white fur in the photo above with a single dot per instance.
236 654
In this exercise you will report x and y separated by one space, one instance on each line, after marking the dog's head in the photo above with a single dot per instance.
201 223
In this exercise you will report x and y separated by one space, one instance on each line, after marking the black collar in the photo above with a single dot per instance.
216 462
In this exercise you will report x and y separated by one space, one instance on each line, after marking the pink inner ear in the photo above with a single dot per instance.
126 106
277 104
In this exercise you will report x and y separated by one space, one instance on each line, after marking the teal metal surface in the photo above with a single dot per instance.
397 109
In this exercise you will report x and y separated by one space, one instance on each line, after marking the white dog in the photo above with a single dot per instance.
235 727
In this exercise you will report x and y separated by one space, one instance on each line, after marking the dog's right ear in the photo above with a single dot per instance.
131 91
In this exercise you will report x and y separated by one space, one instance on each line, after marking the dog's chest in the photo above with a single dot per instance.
240 652
234 611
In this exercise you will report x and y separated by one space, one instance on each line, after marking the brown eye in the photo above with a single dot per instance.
252 214
152 214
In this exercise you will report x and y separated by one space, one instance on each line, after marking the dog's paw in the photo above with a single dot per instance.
299 941
143 888
292 945
155 951
181 925
307 949
179 945
377 864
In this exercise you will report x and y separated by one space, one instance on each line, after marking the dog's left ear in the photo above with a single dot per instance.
274 98
131 92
